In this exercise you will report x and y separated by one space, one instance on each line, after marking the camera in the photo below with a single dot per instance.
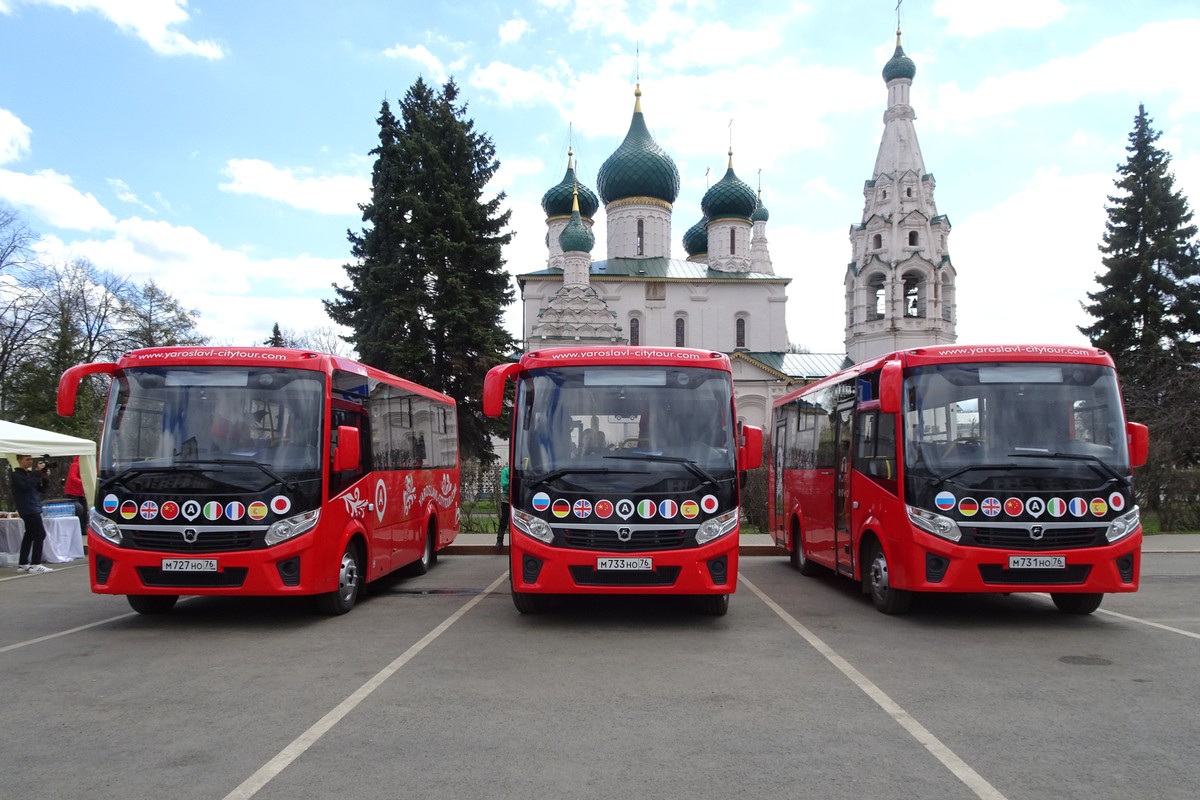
44 462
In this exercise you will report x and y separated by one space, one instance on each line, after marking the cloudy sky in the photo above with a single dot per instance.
221 147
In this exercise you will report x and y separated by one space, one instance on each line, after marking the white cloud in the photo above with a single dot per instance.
1153 60
152 21
513 86
1026 285
14 137
436 71
970 18
126 195
512 170
50 196
330 195
513 30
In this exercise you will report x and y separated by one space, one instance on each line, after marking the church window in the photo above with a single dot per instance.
877 242
740 327
679 332
876 297
913 239
914 300
908 191
641 237
635 331
732 241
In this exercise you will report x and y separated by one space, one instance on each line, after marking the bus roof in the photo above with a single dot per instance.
963 354
625 355
283 357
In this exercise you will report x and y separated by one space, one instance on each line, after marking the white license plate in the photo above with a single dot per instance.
1037 562
189 565
635 564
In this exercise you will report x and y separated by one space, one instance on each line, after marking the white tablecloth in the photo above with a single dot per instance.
63 539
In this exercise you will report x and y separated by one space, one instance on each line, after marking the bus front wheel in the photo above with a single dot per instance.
886 597
1076 603
152 603
530 603
428 553
805 565
714 605
342 599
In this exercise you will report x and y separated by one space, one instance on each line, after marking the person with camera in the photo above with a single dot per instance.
27 487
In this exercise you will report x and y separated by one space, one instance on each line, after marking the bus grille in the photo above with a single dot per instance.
1072 575
222 541
587 576
1018 538
641 541
230 578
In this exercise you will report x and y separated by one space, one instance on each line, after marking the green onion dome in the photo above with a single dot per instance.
729 197
760 212
639 167
695 240
576 237
556 202
899 65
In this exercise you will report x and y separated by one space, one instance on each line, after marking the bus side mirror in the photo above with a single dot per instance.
750 450
68 384
349 449
891 385
493 388
1138 436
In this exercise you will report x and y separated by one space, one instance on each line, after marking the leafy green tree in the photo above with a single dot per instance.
1147 311
428 285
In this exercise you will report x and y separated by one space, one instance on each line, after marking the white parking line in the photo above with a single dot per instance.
960 769
50 636
1159 625
300 744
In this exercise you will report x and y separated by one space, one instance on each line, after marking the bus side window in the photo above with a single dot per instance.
875 450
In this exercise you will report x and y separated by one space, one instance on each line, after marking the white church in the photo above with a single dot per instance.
726 296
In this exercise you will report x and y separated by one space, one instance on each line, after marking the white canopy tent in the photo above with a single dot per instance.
18 439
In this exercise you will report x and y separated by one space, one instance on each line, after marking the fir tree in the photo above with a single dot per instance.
428 286
1147 311
1147 316
276 338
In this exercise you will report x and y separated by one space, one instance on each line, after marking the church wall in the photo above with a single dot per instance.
622 230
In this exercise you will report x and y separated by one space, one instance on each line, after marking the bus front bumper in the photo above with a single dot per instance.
540 568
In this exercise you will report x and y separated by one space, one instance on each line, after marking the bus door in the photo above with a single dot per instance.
779 513
843 550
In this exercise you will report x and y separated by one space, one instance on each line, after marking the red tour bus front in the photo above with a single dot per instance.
989 468
264 471
625 467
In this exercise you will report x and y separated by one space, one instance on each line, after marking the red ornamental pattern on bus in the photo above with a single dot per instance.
1035 507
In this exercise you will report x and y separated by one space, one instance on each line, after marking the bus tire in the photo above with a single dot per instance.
152 603
714 605
886 598
530 603
342 599
428 556
1072 603
806 566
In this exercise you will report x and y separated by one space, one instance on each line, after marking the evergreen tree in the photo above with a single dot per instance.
428 286
1147 316
151 317
1147 311
276 338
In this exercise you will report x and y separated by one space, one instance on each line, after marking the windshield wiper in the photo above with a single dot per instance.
1094 461
193 466
287 483
558 473
972 467
688 464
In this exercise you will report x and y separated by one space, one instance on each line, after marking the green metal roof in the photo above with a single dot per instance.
695 240
899 66
576 238
659 269
639 167
558 199
800 366
729 197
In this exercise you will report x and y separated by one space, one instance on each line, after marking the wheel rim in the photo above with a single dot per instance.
427 553
879 575
348 577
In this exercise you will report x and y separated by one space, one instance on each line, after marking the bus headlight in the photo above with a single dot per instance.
1124 525
104 527
933 523
291 527
716 527
532 526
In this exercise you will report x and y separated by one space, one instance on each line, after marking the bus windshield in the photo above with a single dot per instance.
967 422
625 427
263 422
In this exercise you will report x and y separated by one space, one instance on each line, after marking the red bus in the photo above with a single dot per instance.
1004 468
626 467
264 471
